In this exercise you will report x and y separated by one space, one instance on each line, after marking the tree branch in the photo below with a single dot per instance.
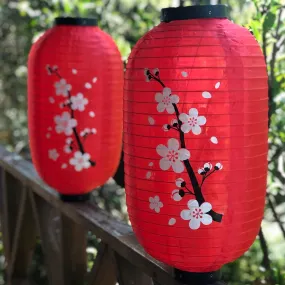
264 248
275 47
271 206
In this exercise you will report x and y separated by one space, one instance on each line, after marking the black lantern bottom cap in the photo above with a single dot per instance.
75 198
201 278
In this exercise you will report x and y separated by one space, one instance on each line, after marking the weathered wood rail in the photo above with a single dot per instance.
30 209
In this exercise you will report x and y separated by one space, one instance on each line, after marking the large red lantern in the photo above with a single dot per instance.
75 95
195 138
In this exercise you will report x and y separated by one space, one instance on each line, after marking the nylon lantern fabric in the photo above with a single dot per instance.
195 142
75 98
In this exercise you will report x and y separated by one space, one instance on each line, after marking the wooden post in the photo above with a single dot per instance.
130 275
63 242
18 228
103 271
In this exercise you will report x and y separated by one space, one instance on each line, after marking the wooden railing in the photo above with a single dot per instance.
30 209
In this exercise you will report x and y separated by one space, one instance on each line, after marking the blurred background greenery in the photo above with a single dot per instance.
22 22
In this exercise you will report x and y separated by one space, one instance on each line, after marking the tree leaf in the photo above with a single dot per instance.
269 21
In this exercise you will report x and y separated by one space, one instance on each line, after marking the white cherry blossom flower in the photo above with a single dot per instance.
175 195
78 102
197 214
165 100
67 149
155 204
201 171
174 122
155 71
146 74
64 123
179 182
166 127
80 161
53 154
172 156
68 140
62 88
218 166
192 122
208 166
48 69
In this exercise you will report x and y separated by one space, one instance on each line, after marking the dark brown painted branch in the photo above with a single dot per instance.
191 174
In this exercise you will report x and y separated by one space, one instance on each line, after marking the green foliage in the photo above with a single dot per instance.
22 21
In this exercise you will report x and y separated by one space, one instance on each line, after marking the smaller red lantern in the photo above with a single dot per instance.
75 88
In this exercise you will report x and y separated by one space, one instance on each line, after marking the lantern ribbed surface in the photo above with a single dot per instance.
195 142
75 101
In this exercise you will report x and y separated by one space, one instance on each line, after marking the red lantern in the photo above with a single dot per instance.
75 106
195 138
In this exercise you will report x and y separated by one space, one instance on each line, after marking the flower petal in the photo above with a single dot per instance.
201 170
206 207
175 195
150 199
196 130
178 182
174 99
65 115
77 154
166 91
208 165
57 119
185 215
158 97
193 112
201 120
156 199
162 150
160 204
219 165
174 121
152 206
178 166
194 224
86 156
160 107
78 167
173 144
183 118
183 154
164 164
206 219
192 204
170 109
157 209
186 128
68 132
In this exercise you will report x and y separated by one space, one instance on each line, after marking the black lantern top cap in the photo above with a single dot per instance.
70 21
194 12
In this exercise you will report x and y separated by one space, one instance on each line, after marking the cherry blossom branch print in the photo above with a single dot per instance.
177 156
66 123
